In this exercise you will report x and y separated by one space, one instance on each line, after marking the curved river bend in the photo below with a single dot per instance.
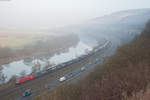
25 66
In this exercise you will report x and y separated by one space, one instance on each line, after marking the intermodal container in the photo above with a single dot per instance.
37 74
58 66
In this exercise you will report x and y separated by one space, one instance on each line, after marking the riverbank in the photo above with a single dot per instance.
123 75
38 85
58 48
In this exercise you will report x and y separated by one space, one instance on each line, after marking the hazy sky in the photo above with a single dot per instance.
54 13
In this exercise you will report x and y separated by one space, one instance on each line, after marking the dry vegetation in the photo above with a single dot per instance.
123 76
14 41
50 45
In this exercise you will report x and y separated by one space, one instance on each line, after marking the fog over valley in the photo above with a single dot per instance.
36 16
74 49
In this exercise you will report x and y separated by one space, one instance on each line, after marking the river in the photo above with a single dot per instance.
24 66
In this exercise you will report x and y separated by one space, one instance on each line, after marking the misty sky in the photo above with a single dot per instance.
55 13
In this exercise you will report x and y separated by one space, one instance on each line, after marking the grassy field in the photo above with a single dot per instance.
15 42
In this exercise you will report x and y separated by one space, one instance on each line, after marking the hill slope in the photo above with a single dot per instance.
119 27
121 76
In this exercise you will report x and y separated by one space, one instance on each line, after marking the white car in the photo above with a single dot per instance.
82 68
62 79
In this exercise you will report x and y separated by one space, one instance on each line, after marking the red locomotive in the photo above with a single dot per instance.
21 80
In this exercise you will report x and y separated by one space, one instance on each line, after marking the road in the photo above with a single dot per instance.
68 76
74 73
50 80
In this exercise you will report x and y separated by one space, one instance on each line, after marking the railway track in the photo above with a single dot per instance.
11 91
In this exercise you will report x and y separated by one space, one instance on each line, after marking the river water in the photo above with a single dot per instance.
24 66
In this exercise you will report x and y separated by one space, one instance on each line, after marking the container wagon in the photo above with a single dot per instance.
59 66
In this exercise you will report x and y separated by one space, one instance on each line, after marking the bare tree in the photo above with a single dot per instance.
2 76
36 67
23 73
13 78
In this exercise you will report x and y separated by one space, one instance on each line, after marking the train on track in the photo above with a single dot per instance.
40 73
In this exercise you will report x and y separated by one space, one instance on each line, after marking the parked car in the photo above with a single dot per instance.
27 93
62 79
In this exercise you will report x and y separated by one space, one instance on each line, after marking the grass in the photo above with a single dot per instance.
14 42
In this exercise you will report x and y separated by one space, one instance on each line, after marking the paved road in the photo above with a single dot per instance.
68 76
79 71
25 98
71 75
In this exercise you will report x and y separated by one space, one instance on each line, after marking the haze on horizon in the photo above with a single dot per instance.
45 14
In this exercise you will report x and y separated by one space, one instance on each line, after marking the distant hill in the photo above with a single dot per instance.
124 17
123 76
119 27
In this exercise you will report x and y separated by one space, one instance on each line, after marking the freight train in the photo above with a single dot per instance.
21 80
37 74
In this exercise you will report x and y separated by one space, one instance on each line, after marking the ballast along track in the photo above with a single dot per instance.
27 84
15 87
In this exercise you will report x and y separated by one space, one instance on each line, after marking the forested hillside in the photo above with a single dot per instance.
123 76
119 27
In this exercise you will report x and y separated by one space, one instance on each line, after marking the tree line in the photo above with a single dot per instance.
50 44
122 76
